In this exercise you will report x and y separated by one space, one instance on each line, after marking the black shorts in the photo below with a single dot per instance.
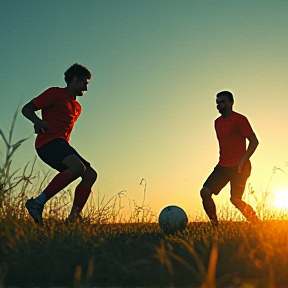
220 177
54 152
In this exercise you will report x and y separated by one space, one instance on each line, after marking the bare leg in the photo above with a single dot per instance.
82 193
75 168
245 209
208 204
62 179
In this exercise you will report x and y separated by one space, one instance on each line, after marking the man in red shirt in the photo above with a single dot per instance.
234 166
60 110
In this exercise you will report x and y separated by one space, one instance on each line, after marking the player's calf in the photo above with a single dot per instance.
245 209
208 204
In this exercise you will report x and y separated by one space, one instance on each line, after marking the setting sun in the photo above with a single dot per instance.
281 199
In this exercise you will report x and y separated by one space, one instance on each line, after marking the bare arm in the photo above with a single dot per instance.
28 111
253 143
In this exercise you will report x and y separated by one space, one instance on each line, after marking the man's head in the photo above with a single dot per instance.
77 78
224 101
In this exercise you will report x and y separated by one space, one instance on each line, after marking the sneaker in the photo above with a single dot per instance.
35 210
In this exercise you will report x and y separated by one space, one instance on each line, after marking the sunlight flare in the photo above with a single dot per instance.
281 198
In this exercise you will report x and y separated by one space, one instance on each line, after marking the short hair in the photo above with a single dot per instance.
228 94
77 70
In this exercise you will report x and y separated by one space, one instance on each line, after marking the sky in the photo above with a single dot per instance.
150 108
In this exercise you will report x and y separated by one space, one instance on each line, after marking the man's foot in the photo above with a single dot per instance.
73 218
35 210
254 220
214 223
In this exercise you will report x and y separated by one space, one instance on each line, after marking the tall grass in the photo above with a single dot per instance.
16 186
106 251
9 180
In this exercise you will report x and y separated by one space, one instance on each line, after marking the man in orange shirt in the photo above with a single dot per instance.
234 166
60 110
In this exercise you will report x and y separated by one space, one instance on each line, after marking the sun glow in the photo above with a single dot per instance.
281 199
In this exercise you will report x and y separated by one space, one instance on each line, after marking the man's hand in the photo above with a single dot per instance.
241 164
40 126
253 143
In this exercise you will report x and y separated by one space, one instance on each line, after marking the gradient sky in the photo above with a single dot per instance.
157 66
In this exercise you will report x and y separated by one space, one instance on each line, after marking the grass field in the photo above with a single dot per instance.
103 251
235 254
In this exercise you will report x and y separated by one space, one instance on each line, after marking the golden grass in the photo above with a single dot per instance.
103 251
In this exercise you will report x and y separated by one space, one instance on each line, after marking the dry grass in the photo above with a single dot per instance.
103 251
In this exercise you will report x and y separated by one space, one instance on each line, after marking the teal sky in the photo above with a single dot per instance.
156 66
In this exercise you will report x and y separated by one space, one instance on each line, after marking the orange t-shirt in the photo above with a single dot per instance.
59 111
231 134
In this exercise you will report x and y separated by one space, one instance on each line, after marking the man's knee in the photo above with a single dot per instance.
237 202
90 175
205 193
74 165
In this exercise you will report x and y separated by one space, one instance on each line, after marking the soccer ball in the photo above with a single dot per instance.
172 219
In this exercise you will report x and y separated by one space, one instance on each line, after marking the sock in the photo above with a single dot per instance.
41 199
210 209
81 196
59 182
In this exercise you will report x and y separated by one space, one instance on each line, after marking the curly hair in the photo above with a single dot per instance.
77 70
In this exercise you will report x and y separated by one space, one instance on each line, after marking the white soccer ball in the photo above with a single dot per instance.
172 219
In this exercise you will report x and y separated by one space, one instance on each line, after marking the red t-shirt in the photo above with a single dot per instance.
59 111
231 134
